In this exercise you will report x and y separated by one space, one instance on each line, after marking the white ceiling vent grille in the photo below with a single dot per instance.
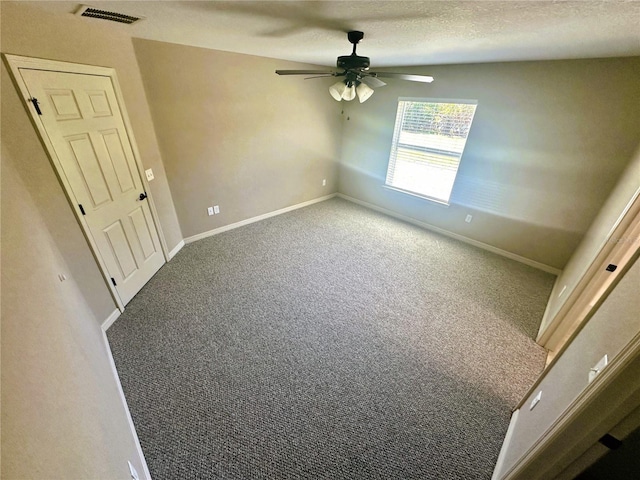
87 11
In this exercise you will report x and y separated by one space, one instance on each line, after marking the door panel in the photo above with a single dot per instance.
64 104
116 154
82 119
89 173
99 103
143 232
121 249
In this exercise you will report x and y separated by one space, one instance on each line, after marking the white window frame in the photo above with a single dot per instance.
391 165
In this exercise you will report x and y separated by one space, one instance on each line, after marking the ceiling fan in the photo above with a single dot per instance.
358 80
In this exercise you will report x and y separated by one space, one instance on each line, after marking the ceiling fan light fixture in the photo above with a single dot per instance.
364 91
358 80
349 93
337 90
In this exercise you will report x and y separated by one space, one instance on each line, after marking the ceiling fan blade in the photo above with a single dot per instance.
324 76
403 76
305 72
373 82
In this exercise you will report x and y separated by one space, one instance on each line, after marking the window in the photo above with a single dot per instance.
428 142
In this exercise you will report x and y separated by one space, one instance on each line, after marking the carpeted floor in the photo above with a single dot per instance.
331 342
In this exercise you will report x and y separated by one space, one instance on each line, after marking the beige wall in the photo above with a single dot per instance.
234 134
62 417
548 142
610 329
61 412
596 240
73 39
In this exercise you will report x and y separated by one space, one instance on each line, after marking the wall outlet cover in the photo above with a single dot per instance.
149 173
597 368
216 209
210 210
535 400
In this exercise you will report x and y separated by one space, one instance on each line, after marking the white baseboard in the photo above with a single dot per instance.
176 249
242 223
441 231
142 461
547 311
497 471
110 319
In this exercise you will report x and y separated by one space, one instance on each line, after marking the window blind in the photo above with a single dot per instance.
428 142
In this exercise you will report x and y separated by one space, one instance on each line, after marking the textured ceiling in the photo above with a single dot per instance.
397 33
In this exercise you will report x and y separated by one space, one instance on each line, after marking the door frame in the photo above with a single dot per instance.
618 248
15 63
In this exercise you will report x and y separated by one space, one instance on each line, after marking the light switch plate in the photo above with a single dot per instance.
149 174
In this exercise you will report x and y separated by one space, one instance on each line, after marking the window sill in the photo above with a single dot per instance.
436 201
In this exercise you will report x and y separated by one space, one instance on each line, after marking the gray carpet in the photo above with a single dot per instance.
331 342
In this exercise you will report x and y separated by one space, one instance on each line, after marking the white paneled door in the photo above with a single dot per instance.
85 127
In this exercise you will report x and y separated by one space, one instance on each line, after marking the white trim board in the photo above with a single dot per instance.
176 249
505 444
110 319
470 241
264 216
105 326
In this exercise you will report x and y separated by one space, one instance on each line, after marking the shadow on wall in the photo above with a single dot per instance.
544 244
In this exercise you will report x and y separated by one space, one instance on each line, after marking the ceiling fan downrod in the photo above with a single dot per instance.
354 61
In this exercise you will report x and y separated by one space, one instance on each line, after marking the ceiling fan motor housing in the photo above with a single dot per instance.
353 62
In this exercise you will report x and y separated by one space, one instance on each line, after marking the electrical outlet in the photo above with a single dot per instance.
535 400
62 277
210 210
133 472
149 173
324 182
597 368
216 209
469 218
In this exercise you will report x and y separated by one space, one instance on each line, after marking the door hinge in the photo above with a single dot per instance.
36 105
113 280
81 209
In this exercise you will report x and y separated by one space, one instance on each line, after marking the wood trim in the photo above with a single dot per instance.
446 233
505 444
242 223
19 61
621 254
176 249
110 319
631 210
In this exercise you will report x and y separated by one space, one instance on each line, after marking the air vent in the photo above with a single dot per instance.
86 11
